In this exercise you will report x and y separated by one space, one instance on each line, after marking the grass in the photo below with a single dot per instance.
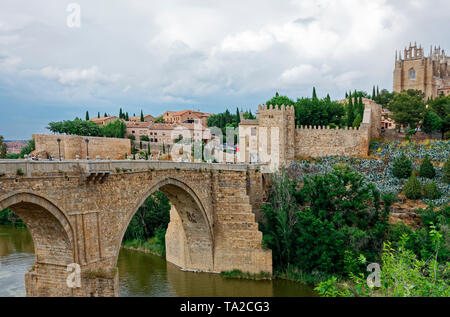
153 245
99 273
237 274
296 275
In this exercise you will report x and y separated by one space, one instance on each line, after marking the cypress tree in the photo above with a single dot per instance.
238 116
314 95
142 116
361 106
148 148
126 117
350 112
106 114
120 113
164 148
87 115
328 97
373 93
98 116
346 95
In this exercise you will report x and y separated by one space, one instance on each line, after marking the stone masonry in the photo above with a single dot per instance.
273 137
78 212
73 145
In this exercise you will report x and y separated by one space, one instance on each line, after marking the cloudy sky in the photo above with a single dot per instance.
197 54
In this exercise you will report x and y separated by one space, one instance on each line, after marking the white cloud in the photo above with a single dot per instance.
73 76
247 41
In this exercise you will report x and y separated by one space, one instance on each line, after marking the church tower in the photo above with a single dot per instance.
413 70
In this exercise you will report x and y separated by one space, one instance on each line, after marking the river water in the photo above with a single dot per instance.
140 274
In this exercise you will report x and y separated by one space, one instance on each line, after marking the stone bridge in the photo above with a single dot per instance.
78 212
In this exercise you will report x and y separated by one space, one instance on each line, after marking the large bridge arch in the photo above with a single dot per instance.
48 225
53 240
193 246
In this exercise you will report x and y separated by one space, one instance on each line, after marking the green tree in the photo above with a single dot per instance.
413 189
280 100
3 148
431 122
142 116
402 167
357 121
154 214
116 129
446 171
160 119
441 107
426 168
314 95
87 115
98 115
350 112
431 190
408 108
384 97
27 149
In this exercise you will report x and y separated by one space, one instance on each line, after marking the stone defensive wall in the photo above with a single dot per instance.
318 141
274 139
72 145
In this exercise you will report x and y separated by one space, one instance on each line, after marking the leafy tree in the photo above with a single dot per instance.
431 122
280 100
408 108
441 107
427 169
402 167
132 137
413 189
8 217
160 119
154 214
144 138
3 148
116 129
320 112
27 149
75 127
384 97
446 170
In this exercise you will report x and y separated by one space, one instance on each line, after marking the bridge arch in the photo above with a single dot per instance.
193 245
50 229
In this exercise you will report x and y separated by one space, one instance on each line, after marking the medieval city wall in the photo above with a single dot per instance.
72 145
323 141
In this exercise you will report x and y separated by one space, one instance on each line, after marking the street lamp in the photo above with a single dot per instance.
59 148
87 148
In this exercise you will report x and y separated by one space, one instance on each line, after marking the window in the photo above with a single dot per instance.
412 74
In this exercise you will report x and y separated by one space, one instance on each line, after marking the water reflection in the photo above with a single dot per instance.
140 274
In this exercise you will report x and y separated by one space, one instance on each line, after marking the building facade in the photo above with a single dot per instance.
414 70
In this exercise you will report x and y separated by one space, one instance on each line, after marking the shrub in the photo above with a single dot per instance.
427 169
402 167
431 191
412 188
19 172
447 171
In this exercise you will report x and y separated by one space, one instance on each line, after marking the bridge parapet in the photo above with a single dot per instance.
29 168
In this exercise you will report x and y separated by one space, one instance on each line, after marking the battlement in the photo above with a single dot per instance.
326 128
275 109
